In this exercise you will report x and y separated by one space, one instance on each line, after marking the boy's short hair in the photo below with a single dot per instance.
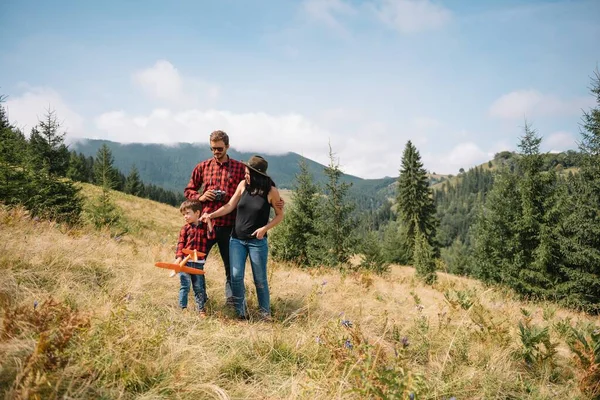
217 136
193 205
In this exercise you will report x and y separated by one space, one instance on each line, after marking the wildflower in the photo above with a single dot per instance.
341 313
35 304
452 398
319 340
347 323
420 307
404 341
348 344
324 283
596 332
411 396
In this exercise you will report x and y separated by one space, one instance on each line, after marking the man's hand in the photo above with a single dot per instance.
207 196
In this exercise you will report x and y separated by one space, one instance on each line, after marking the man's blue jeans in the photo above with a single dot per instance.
257 250
197 282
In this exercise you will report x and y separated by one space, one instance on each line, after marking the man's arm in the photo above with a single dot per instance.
191 190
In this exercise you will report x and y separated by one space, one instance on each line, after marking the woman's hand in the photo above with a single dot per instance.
260 232
205 217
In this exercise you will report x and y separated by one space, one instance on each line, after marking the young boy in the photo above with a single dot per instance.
192 237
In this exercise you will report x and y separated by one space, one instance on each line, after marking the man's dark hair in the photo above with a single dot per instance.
218 136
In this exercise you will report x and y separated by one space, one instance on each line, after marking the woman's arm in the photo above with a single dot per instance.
273 198
229 207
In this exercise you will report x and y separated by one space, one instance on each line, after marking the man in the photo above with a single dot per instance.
213 182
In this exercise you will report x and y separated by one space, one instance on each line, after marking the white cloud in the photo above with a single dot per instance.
531 103
559 141
164 82
464 155
328 12
27 109
411 16
259 132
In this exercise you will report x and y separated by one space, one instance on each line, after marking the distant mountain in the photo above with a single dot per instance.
170 166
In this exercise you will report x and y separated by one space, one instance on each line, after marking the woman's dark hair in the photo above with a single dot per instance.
259 184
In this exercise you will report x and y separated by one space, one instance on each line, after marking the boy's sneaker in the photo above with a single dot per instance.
172 274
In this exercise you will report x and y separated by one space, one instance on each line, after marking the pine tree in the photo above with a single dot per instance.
15 185
580 241
133 183
335 241
47 151
292 238
396 248
415 199
104 212
424 259
76 170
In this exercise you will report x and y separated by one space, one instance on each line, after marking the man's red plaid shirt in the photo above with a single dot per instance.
214 175
192 237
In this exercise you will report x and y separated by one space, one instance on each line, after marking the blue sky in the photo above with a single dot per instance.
458 78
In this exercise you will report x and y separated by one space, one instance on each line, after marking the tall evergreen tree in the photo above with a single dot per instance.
415 200
580 241
47 150
335 241
15 184
103 210
293 237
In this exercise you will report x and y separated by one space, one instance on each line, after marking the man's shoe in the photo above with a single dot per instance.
230 301
202 314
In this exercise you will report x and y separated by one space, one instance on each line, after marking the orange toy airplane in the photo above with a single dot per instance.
193 254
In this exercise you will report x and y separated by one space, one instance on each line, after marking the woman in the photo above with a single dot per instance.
252 200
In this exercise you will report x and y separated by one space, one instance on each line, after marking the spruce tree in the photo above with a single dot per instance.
47 150
76 170
133 183
415 199
15 184
335 241
103 210
580 240
292 238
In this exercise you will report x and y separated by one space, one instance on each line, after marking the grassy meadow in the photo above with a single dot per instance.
86 315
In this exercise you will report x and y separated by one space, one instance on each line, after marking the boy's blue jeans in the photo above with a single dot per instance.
258 250
195 281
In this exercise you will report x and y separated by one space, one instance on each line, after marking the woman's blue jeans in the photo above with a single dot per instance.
195 281
257 250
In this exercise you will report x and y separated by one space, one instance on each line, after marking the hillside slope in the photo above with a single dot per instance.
170 166
115 331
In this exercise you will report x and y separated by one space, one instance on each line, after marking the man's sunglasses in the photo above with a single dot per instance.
217 148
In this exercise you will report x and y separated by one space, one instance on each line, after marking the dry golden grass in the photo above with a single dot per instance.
123 335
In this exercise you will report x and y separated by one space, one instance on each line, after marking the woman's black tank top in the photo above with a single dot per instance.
252 213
